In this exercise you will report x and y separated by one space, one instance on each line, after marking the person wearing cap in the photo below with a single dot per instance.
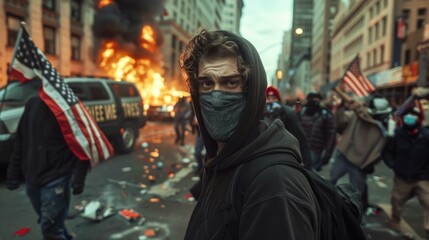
274 109
363 138
407 153
319 126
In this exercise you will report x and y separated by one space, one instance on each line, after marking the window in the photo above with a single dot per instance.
377 8
49 4
374 57
421 14
97 92
384 26
406 14
385 2
368 59
76 8
369 35
75 47
125 90
49 40
13 25
382 54
173 42
376 30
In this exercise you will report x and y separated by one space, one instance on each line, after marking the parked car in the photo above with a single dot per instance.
163 109
117 107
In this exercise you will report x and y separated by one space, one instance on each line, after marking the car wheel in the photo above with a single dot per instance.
125 141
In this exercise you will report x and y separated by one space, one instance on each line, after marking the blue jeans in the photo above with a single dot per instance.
51 203
357 177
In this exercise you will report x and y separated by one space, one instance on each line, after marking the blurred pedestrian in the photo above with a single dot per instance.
407 153
319 126
182 112
227 82
364 134
43 159
274 109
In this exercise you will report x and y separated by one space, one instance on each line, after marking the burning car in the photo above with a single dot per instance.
162 108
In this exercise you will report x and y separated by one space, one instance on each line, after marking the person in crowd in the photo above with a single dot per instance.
227 83
43 159
319 126
182 112
274 109
407 153
364 134
198 147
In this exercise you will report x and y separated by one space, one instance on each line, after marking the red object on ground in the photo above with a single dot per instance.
129 214
22 231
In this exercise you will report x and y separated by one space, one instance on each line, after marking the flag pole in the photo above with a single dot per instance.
18 39
9 70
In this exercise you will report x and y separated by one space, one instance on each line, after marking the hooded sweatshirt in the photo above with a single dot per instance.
279 202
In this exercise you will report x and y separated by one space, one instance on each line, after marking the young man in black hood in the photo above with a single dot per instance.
227 82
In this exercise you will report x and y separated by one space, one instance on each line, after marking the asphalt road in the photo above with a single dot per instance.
119 183
123 183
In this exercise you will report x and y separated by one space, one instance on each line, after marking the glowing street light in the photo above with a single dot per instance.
299 31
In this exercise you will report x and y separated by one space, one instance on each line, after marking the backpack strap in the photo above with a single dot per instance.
241 180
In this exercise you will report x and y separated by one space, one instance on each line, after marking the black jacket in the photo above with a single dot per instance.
320 129
289 118
279 203
41 153
408 155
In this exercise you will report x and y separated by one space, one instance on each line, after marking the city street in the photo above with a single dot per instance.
164 204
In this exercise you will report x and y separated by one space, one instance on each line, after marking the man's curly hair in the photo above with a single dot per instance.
210 44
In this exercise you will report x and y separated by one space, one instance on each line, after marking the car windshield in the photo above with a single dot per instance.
19 92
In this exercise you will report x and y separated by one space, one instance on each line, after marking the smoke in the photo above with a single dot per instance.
122 22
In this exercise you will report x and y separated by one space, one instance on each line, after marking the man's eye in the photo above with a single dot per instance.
205 83
232 83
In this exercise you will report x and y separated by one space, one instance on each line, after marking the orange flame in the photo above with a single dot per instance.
103 3
120 65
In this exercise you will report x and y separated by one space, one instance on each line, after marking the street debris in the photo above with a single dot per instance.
195 179
189 197
22 231
154 200
97 211
380 181
159 165
129 214
126 169
186 160
145 145
125 183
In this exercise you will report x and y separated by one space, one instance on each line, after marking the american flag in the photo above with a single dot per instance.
356 81
80 131
409 103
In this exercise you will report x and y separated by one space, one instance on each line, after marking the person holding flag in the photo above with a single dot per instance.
56 141
364 134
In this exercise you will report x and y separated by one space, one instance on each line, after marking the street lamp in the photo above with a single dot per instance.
279 74
299 31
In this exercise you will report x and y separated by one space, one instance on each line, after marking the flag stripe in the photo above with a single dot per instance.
21 72
83 124
352 78
101 138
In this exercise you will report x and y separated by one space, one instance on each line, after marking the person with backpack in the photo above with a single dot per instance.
407 153
364 134
227 82
319 126
274 109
